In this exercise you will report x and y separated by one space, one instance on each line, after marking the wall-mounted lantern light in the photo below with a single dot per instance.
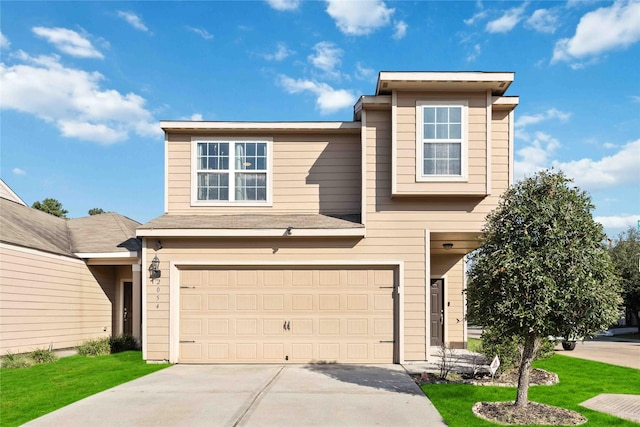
447 246
154 268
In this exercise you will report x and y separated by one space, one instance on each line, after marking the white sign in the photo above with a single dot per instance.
494 365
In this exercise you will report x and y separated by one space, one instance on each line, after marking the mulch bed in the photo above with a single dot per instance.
534 413
508 413
507 379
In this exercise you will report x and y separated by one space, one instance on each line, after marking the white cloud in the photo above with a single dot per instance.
359 18
543 21
620 168
68 41
535 156
134 20
4 42
282 52
609 145
327 57
400 30
284 4
550 114
329 100
18 171
508 20
201 32
196 117
73 100
601 30
622 221
477 49
477 17
363 73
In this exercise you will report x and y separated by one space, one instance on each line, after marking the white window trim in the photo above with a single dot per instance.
194 171
464 169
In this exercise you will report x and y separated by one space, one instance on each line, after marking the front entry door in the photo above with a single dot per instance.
437 312
127 324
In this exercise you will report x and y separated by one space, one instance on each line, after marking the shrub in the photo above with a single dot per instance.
43 356
123 343
98 347
14 361
509 349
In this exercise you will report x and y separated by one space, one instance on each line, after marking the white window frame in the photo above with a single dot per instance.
231 141
464 149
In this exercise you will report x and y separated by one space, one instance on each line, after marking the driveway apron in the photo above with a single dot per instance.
257 395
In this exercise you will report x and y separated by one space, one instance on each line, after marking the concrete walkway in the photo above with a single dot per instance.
257 395
625 406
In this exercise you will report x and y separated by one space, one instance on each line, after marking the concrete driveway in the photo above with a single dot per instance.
607 350
257 395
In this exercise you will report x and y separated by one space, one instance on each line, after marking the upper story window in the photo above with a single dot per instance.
231 171
441 151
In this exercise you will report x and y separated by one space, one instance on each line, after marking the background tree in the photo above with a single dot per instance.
96 211
51 206
543 268
625 255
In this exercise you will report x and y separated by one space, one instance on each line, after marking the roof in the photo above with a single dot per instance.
187 125
31 228
497 82
253 225
23 226
107 232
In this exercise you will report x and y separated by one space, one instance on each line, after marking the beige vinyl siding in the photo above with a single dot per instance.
500 151
395 232
406 184
312 174
49 299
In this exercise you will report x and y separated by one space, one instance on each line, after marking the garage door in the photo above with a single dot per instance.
290 315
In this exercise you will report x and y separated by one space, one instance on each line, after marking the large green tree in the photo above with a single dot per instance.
625 254
542 269
51 206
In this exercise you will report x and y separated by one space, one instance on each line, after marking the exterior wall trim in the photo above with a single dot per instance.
174 292
39 252
464 149
427 292
363 168
258 126
231 139
128 254
267 232
394 142
489 161
143 285
166 172
511 146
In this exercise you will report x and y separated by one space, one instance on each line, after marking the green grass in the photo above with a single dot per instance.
474 344
29 393
580 380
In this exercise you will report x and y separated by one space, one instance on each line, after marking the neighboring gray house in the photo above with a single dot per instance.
64 281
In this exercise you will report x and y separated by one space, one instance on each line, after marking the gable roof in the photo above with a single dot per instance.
107 232
23 226
31 228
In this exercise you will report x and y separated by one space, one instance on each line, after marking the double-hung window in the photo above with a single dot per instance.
441 148
231 171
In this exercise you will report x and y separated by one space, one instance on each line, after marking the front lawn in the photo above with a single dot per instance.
29 393
580 380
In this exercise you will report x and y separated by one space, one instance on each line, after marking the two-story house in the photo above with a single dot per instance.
296 242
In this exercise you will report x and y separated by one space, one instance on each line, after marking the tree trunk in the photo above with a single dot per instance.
522 398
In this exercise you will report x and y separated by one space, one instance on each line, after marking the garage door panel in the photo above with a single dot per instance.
271 315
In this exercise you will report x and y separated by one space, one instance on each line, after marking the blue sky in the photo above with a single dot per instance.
85 84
